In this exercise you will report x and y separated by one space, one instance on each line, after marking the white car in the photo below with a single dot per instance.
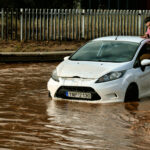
107 69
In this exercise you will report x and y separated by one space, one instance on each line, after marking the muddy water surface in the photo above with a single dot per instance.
29 120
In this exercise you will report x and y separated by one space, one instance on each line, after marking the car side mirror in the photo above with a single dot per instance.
66 58
145 62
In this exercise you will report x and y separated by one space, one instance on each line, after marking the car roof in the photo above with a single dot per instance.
136 39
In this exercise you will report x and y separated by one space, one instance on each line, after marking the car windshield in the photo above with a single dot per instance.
106 51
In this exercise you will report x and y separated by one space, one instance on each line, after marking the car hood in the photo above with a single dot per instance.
88 69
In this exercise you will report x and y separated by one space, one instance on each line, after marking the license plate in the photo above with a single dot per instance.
78 95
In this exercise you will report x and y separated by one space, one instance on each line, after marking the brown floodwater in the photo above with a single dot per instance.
30 120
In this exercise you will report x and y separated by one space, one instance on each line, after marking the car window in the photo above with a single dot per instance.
143 54
106 51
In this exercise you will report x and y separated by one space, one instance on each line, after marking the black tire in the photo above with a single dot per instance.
132 93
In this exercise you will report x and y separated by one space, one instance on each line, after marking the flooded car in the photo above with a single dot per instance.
107 69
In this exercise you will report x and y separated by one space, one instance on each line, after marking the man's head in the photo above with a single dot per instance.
147 21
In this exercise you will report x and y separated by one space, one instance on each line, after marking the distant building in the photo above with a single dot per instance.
116 4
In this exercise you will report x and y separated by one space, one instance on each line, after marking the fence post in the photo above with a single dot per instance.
80 11
136 22
36 24
123 27
94 24
2 26
26 24
62 24
104 19
101 31
127 22
88 14
73 24
114 22
142 21
120 17
83 23
7 12
110 16
55 24
139 16
76 12
44 24
47 24
66 16
16 22
69 24
117 24
91 14
21 24
11 23
29 23
97 13
130 23
40 24
33 24
59 24
51 24
107 22
133 25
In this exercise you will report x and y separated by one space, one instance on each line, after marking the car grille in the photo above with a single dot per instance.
61 92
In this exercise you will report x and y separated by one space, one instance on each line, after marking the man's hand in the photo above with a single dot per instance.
145 36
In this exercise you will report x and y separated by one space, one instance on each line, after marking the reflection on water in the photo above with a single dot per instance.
30 120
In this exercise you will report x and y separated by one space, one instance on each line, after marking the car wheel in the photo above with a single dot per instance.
132 93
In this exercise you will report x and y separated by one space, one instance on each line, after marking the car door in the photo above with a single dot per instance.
142 73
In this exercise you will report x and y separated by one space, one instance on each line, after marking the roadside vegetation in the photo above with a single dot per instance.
38 46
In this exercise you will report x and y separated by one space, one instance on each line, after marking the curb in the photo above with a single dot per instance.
33 56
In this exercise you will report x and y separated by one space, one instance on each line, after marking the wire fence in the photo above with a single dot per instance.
69 24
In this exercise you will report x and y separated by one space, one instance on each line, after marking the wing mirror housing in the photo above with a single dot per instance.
66 58
145 62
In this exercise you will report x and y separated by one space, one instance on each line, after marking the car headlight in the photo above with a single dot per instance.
111 76
55 76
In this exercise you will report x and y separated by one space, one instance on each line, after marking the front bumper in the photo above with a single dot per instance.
112 91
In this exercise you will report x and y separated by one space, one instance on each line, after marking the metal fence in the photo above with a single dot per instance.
69 24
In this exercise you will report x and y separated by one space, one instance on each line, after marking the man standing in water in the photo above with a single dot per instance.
147 22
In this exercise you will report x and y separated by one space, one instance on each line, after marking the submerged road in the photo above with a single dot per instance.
30 120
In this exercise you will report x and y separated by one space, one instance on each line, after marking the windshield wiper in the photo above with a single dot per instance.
75 59
100 60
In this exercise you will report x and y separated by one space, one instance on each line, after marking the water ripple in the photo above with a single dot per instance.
30 120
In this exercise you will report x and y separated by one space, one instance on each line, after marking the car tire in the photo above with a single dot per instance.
132 93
